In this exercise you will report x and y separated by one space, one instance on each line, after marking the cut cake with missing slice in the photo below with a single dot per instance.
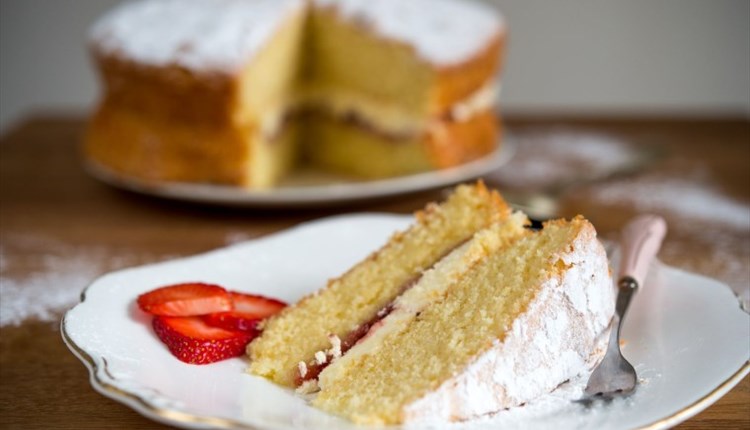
489 322
246 92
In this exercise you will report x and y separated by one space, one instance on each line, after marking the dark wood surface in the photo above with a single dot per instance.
45 195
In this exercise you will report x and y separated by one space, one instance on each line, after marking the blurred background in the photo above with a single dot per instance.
573 57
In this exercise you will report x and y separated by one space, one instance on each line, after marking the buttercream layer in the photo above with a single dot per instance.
388 118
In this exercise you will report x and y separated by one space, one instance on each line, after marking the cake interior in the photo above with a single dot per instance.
368 387
347 69
339 84
356 297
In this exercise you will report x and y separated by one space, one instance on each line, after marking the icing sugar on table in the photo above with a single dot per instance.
44 286
686 195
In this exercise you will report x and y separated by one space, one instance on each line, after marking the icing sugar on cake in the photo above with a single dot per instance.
431 27
215 35
547 344
163 32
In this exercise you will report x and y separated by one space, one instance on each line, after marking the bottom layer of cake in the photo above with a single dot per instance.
352 147
156 149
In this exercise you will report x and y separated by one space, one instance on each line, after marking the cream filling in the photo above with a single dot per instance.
390 119
479 101
430 288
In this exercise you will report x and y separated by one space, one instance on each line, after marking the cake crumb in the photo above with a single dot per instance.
302 366
321 357
308 387
335 351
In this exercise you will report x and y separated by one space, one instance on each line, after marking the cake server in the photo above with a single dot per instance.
640 242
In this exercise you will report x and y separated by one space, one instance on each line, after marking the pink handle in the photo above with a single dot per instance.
640 241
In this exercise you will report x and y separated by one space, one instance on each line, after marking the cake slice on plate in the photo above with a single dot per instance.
350 303
491 319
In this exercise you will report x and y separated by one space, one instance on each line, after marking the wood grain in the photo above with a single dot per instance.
46 196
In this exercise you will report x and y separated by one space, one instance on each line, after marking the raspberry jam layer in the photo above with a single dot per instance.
312 368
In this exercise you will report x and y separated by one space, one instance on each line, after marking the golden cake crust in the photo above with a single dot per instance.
451 143
171 92
156 149
455 82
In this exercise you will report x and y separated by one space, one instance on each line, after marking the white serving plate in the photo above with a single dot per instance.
686 336
308 188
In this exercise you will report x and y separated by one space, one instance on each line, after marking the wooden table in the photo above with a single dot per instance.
49 205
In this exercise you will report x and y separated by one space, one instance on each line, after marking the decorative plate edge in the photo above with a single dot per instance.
137 402
172 416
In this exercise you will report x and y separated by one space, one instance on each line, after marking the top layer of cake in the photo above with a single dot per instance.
217 35
423 24
231 32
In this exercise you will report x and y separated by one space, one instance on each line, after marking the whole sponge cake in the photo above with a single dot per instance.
496 321
243 91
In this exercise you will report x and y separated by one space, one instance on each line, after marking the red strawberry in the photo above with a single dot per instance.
191 340
187 299
248 311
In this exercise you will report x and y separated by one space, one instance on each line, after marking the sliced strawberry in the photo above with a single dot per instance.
249 310
187 299
193 341
259 306
233 321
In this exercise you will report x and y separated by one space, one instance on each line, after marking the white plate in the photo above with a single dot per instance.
308 188
686 336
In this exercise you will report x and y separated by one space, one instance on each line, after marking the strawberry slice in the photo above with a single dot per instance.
187 299
191 340
249 310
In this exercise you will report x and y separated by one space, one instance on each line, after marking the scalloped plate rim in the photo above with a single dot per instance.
106 384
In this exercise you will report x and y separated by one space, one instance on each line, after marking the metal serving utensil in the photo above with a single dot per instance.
640 242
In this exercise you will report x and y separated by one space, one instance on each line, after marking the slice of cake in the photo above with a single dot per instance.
241 92
499 320
346 309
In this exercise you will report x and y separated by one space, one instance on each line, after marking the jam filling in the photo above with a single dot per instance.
351 339
313 368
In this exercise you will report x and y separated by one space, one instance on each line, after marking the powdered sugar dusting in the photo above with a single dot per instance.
235 237
554 410
685 198
201 35
223 35
41 287
558 156
442 32
697 211
561 336
43 295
